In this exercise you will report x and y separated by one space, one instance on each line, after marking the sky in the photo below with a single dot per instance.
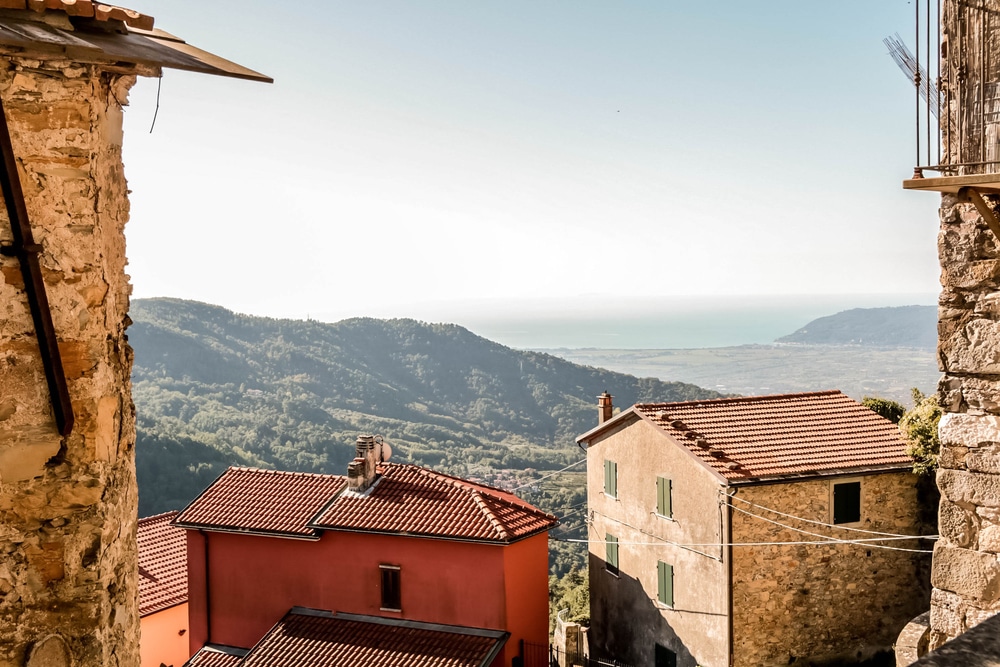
433 159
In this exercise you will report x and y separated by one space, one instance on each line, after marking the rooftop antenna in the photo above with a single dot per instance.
915 71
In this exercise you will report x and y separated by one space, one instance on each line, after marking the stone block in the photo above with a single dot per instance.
969 430
956 525
985 458
974 617
973 348
969 488
972 574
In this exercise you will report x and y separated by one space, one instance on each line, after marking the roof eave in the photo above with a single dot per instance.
823 474
618 420
431 536
233 530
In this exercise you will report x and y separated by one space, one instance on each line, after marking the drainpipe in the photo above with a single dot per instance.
729 569
208 592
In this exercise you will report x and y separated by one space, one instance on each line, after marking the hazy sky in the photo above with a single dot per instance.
413 158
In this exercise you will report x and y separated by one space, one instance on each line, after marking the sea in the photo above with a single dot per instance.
658 323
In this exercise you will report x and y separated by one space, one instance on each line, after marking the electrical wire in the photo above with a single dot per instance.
827 525
562 470
862 543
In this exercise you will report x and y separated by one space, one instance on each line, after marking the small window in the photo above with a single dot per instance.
391 594
611 563
665 583
664 506
665 657
611 478
847 502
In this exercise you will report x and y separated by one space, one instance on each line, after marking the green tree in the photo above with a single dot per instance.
885 407
572 593
919 427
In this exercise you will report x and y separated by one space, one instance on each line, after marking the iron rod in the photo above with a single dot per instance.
26 251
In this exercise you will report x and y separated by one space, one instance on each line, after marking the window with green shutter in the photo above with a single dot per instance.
611 562
611 478
664 505
665 583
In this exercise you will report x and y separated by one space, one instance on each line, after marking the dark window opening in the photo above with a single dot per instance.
391 596
611 562
847 502
665 657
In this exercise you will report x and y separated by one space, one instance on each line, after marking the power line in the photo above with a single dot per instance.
864 543
571 465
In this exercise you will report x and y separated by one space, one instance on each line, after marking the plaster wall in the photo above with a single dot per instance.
164 637
831 604
252 581
68 580
627 620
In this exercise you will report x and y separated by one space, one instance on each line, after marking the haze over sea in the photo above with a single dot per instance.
653 323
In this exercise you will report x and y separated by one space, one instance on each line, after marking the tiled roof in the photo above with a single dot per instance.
262 501
86 9
308 638
782 435
411 500
162 564
213 655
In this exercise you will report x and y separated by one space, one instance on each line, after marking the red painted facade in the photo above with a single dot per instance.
240 585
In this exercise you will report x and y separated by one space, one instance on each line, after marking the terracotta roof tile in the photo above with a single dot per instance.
411 500
264 501
214 655
86 9
308 638
786 434
162 564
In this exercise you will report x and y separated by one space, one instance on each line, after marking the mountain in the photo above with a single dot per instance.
901 326
213 387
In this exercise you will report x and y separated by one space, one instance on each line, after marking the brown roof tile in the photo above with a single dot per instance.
308 638
411 500
214 655
85 8
262 501
781 435
162 564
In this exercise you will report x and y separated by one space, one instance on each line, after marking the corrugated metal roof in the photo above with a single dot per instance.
162 564
94 32
411 500
764 437
309 638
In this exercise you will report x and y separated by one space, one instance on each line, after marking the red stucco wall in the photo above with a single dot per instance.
253 581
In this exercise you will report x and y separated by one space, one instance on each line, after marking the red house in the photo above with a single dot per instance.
396 545
163 610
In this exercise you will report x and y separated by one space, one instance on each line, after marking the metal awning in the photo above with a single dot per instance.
112 43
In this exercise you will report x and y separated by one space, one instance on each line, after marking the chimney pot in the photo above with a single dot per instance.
361 471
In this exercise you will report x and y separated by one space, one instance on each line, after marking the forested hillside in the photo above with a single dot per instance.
212 388
900 326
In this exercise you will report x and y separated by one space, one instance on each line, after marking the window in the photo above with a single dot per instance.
664 501
391 594
847 502
665 657
611 479
611 562
665 583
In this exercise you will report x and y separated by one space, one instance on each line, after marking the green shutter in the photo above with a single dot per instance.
611 478
664 504
665 583
612 553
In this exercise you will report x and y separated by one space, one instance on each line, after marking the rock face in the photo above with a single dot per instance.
966 569
68 579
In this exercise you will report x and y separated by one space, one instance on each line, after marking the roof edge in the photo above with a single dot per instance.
597 430
246 531
824 474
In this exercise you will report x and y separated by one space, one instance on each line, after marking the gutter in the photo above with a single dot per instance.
729 574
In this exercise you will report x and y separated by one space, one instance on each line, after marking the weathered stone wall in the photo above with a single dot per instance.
68 581
834 603
966 572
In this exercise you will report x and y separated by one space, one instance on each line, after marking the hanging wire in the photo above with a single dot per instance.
830 525
562 470
862 543
159 84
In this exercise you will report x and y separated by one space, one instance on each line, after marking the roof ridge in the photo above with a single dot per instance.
742 399
286 473
501 529
161 515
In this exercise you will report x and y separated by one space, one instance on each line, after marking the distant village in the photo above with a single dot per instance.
789 529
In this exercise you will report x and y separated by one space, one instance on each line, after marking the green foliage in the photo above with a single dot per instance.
919 427
212 387
885 407
571 593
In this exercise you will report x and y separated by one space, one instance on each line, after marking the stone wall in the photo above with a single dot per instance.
830 604
966 572
68 581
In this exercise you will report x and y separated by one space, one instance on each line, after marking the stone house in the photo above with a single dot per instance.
751 531
388 552
68 573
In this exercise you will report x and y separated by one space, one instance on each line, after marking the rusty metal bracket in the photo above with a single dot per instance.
26 251
972 196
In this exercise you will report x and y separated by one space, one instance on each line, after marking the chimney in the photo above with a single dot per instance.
361 471
604 407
